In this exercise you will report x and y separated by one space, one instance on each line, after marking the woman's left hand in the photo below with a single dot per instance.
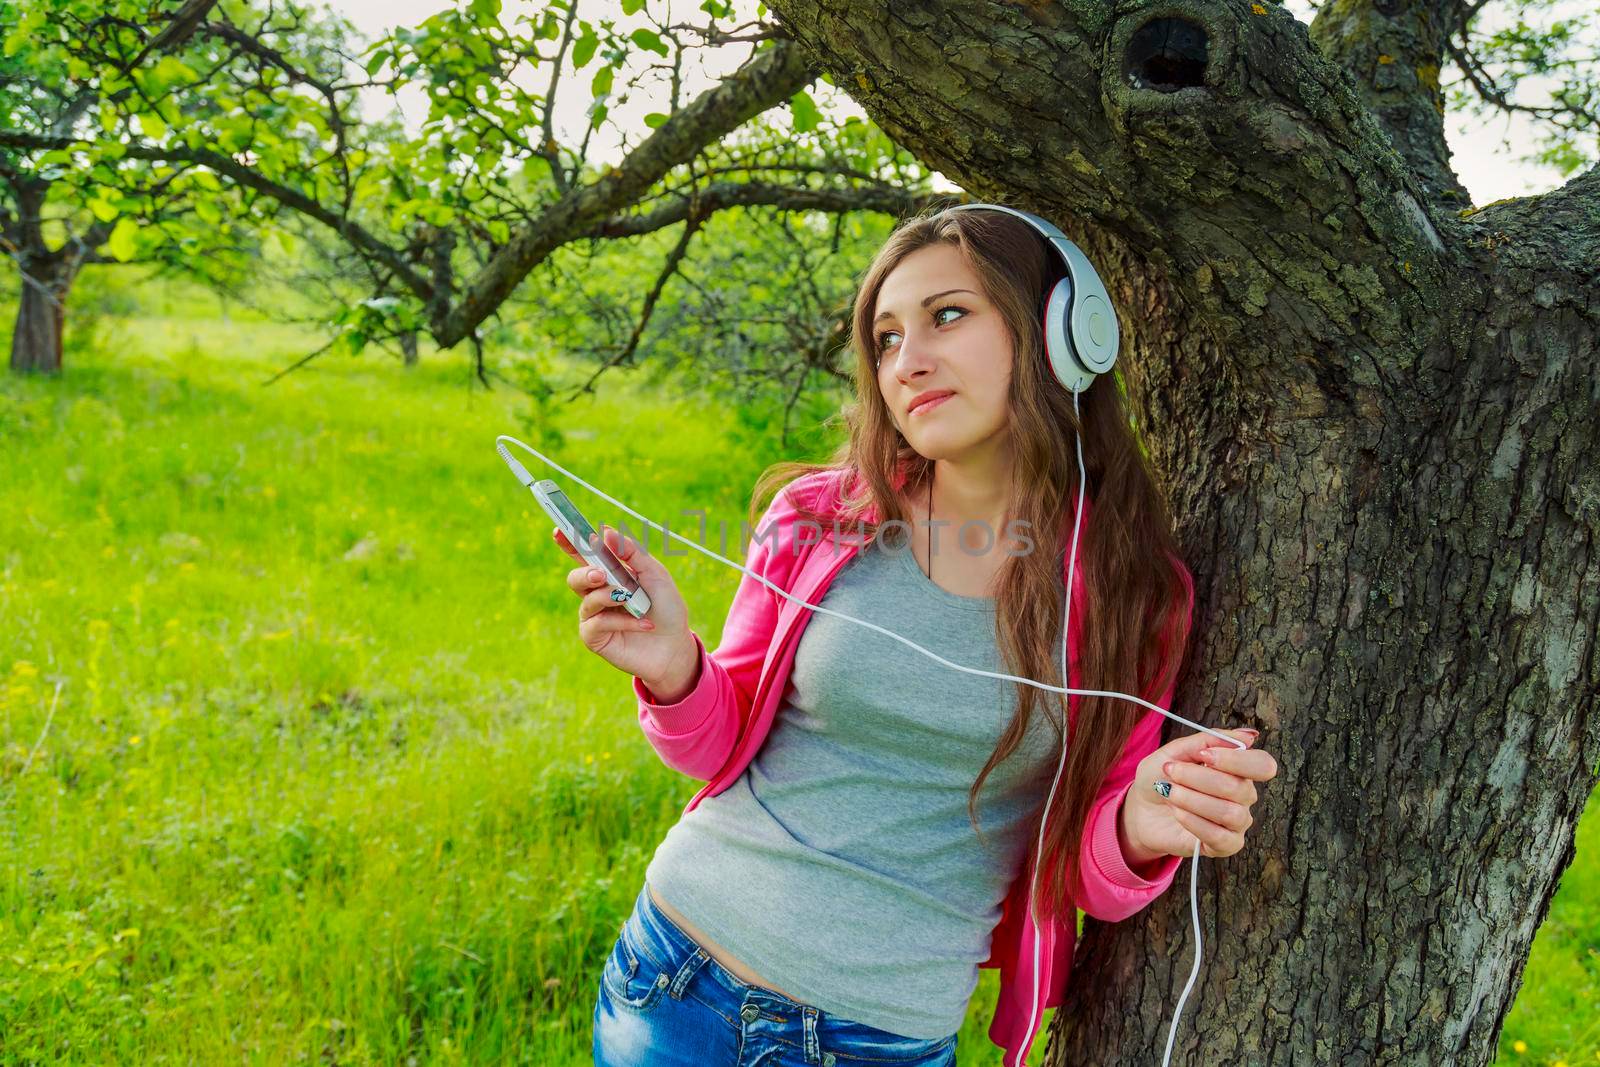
1212 788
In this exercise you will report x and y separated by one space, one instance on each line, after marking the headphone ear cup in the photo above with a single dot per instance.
1064 362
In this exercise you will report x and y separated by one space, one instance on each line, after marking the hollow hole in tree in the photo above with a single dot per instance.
1166 54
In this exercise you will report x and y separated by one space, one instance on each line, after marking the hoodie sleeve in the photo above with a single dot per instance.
696 735
1111 890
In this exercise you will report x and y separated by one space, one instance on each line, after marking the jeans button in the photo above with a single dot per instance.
827 1059
662 979
749 1012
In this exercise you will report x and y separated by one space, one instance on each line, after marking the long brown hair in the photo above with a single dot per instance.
1133 630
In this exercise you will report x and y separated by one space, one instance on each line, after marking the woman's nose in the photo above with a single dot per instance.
912 356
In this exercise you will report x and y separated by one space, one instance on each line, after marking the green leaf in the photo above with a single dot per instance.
375 64
121 244
486 8
649 40
103 211
597 116
151 125
583 50
655 119
632 7
350 342
804 110
601 85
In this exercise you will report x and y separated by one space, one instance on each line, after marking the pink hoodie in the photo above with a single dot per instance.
714 732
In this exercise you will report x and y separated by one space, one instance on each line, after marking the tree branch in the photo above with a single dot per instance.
352 231
669 268
301 362
771 77
719 195
1477 75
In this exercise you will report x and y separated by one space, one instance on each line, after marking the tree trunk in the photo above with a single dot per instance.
46 278
1374 416
408 347
41 316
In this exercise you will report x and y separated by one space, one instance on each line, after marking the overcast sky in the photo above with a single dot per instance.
1484 154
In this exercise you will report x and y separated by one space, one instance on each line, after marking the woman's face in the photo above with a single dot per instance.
957 343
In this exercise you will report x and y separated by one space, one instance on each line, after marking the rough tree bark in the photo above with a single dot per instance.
1374 414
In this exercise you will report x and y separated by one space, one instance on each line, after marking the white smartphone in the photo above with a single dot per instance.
625 588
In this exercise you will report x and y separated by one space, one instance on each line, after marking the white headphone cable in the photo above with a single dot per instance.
1194 868
527 481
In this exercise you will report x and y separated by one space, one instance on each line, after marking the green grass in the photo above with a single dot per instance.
297 802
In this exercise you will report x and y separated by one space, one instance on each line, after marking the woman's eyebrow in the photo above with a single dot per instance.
925 302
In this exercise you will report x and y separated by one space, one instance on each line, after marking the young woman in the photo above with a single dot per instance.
832 899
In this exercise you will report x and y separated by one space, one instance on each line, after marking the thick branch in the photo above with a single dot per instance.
888 199
177 30
1392 50
1553 241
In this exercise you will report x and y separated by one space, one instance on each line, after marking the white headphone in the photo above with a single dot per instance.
1081 339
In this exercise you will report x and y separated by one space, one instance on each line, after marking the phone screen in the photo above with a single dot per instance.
571 514
625 587
569 511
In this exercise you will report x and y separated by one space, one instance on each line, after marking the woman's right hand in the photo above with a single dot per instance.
652 652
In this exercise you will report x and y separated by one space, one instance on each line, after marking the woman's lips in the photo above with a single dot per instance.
929 405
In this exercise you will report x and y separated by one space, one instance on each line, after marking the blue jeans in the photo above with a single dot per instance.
663 1002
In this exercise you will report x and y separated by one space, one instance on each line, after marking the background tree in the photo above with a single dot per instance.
447 224
61 209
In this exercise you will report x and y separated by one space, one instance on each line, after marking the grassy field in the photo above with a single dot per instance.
300 757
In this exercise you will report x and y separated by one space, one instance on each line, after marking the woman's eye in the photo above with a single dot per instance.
882 337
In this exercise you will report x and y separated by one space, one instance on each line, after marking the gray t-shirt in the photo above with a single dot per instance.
841 866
